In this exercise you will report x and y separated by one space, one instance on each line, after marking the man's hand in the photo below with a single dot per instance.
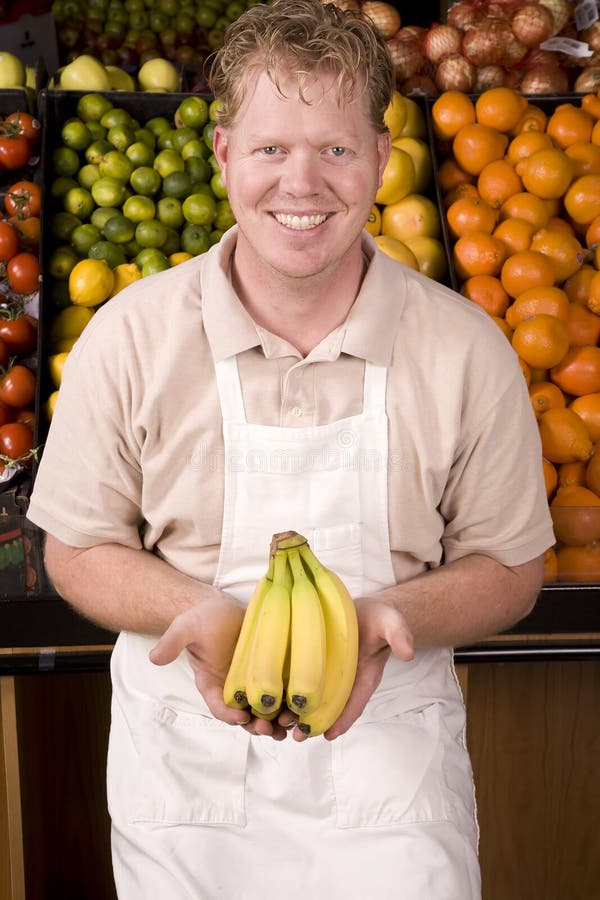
381 630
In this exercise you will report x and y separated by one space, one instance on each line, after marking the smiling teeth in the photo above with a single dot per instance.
299 222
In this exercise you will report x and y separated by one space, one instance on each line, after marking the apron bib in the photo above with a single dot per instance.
203 810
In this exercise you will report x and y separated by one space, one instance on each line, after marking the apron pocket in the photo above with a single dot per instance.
341 542
389 772
191 769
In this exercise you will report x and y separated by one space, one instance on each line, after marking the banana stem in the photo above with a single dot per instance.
280 566
298 570
286 540
309 558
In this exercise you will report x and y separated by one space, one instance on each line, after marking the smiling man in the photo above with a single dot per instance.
293 377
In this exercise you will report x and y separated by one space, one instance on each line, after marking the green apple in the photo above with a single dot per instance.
85 74
120 80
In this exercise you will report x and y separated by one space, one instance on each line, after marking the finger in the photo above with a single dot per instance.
212 692
173 641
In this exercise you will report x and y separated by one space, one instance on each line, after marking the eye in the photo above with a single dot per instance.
271 150
338 151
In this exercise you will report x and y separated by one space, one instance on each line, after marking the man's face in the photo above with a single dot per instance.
301 178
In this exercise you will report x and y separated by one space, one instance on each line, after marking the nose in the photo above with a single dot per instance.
300 175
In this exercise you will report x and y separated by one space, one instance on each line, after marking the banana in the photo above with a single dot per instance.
264 684
341 635
234 689
306 679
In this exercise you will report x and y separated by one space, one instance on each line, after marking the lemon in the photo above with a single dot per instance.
56 364
51 403
90 282
65 344
179 257
396 114
373 223
397 250
415 125
69 323
124 274
430 254
419 150
158 75
398 178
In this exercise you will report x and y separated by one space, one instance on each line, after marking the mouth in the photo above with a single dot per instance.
300 223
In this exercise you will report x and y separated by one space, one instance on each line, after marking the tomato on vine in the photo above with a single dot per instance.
16 441
17 386
23 199
18 333
23 124
28 230
23 273
9 241
15 151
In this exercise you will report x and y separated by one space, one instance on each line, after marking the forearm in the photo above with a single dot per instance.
466 600
120 588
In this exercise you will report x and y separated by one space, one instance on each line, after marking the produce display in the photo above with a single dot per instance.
298 644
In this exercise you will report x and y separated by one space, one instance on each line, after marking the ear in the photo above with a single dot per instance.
219 143
384 148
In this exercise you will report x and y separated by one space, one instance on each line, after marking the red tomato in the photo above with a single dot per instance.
25 124
17 386
15 152
28 230
23 273
19 334
16 440
9 241
25 417
7 413
4 354
23 199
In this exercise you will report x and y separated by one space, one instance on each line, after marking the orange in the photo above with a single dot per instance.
592 233
450 112
538 374
572 473
593 292
582 199
596 133
578 285
525 206
550 566
549 299
450 175
578 372
487 292
592 472
585 158
570 124
466 190
525 369
565 251
564 436
541 341
545 395
466 215
583 326
550 477
475 145
555 223
578 564
587 408
503 325
533 119
497 182
575 514
515 234
500 107
591 103
478 253
546 173
525 270
526 143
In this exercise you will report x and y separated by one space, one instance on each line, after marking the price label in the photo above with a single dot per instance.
586 13
569 46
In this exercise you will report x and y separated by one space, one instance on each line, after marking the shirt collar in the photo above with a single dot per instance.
368 333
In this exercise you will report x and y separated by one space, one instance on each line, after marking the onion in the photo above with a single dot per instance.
588 81
536 57
591 36
440 41
489 77
419 84
514 51
406 54
561 13
485 44
545 78
455 73
346 5
532 24
463 15
384 17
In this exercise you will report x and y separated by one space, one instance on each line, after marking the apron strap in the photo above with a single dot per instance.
230 390
374 389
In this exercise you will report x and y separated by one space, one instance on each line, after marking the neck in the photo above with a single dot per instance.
302 311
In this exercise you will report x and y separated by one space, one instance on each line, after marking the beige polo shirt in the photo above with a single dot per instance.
135 450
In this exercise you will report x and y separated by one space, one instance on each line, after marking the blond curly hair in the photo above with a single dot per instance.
302 38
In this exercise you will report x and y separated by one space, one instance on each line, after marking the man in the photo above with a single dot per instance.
293 378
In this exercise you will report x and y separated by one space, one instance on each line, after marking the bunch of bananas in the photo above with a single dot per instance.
298 644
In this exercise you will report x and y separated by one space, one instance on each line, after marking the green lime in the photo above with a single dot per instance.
62 261
139 208
101 215
151 233
198 168
146 254
84 236
212 161
111 253
213 110
79 202
75 134
195 239
166 139
91 107
116 164
193 111
183 136
117 116
168 211
157 125
145 136
59 294
155 265
202 188
65 161
167 161
218 188
120 136
62 224
207 134
215 236
194 147
234 10
97 131
131 248
145 180
96 151
87 175
61 185
177 184
119 229
140 154
206 16
108 191
199 209
172 242
224 218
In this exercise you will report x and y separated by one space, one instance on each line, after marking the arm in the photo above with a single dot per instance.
458 603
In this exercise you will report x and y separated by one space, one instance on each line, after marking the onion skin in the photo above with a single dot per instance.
464 15
485 45
589 80
545 78
455 73
561 13
532 24
441 41
406 54
419 84
489 77
384 17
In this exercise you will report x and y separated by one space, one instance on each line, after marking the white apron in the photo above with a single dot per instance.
201 810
